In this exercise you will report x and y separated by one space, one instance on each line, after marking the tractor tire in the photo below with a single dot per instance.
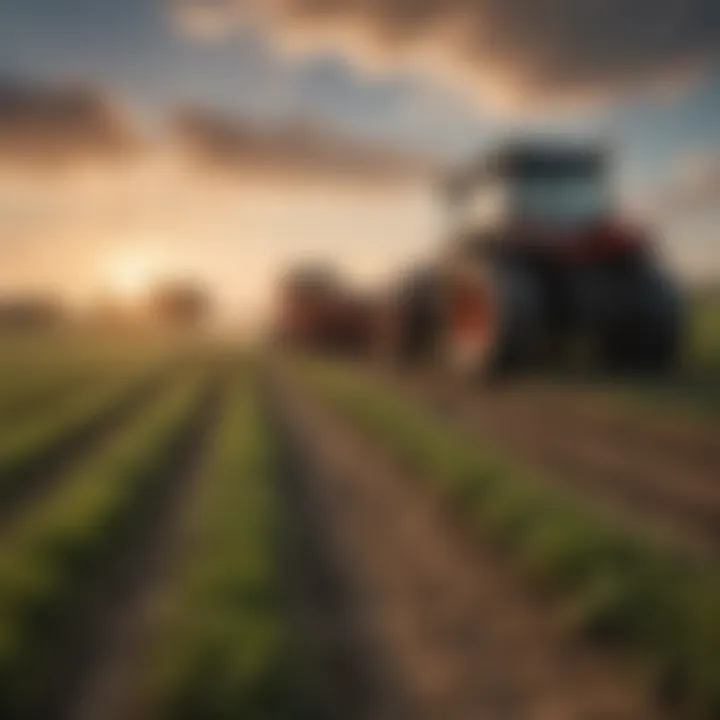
493 322
646 335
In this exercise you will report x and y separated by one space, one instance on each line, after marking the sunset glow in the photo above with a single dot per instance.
130 275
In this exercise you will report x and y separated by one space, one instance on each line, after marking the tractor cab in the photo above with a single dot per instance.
532 190
538 264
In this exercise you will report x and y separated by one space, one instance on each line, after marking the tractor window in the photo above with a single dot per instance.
562 199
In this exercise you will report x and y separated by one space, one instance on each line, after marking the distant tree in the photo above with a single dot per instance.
31 312
180 303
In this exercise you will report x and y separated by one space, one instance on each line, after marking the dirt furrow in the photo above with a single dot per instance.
669 481
457 633
91 672
342 670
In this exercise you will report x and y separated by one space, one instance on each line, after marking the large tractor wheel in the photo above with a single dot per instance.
492 321
647 335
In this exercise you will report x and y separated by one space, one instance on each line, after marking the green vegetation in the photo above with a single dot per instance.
38 374
227 650
66 537
22 395
28 395
663 609
226 646
706 335
26 447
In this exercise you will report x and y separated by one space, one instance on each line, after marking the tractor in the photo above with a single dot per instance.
538 271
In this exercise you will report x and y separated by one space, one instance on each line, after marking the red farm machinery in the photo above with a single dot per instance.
537 270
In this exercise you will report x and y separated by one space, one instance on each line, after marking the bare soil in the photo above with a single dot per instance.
341 667
442 622
662 474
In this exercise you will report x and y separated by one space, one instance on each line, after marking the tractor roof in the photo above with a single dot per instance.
536 159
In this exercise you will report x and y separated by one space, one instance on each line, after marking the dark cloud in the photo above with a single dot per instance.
289 149
48 125
43 126
510 50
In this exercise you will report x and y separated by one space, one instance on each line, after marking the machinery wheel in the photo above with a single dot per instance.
648 335
492 322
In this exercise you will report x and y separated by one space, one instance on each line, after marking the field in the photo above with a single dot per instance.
195 530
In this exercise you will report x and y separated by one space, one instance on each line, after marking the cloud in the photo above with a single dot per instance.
209 19
288 150
47 125
507 51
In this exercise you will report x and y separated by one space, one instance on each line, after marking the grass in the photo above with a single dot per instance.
662 609
227 650
62 544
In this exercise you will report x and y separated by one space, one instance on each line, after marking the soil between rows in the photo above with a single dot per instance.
403 618
662 476
444 625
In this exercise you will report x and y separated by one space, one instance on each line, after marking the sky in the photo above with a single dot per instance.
436 79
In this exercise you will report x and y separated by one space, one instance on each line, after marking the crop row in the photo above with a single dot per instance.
227 650
40 371
618 586
40 353
65 539
28 446
31 392
21 395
